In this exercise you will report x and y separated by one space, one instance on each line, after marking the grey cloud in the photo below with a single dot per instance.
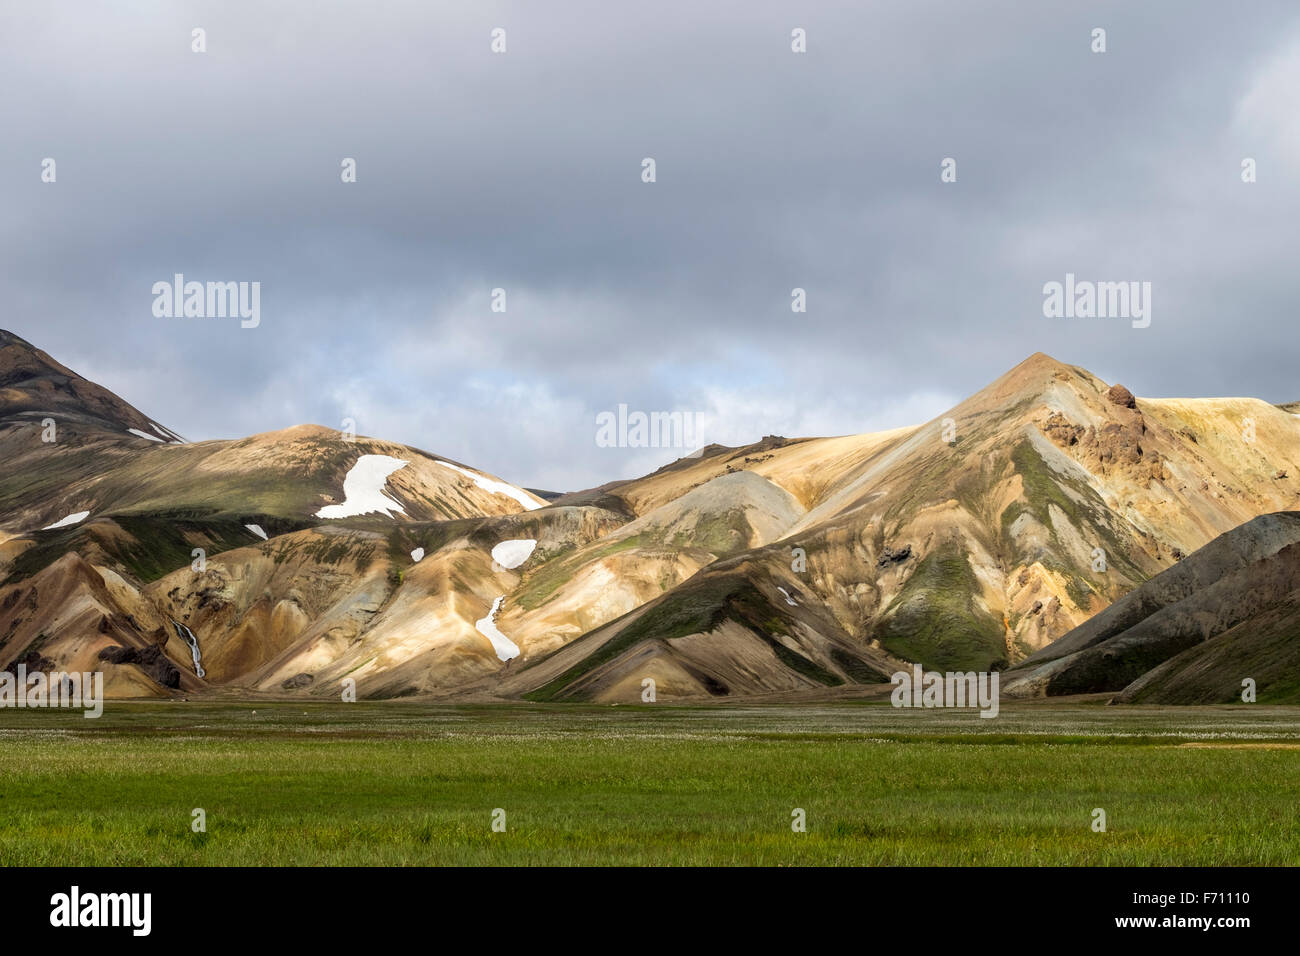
522 171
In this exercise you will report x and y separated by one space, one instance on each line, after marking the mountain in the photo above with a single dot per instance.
138 487
791 566
34 387
97 504
1192 634
966 543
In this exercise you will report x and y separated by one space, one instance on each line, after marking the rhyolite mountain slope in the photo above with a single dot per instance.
787 566
971 541
1192 634
97 501
100 457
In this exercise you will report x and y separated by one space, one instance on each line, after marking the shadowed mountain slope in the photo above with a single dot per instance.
1228 612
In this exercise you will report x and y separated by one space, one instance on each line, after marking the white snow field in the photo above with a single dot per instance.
257 530
505 648
363 489
168 435
68 521
512 553
496 487
417 554
140 434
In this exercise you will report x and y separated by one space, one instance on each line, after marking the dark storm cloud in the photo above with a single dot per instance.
522 171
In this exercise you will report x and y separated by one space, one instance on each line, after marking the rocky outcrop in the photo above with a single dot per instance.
1114 447
151 660
1121 396
891 556
33 661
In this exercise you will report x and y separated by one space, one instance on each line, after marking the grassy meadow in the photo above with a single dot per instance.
400 783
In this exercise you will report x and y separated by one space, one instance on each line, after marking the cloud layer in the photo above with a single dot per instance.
522 171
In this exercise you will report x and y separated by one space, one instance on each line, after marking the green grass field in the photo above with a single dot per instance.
401 783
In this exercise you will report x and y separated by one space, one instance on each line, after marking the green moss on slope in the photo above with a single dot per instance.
936 621
540 586
152 546
1043 488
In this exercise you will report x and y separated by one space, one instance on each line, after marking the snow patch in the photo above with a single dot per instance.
363 489
496 487
257 530
67 522
169 437
505 648
417 554
512 553
788 600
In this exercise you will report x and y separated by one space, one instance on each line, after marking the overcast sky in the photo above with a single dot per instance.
522 171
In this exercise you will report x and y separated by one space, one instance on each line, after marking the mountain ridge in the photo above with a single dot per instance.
790 565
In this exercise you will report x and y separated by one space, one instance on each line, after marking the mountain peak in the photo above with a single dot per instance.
1036 376
1041 363
33 386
